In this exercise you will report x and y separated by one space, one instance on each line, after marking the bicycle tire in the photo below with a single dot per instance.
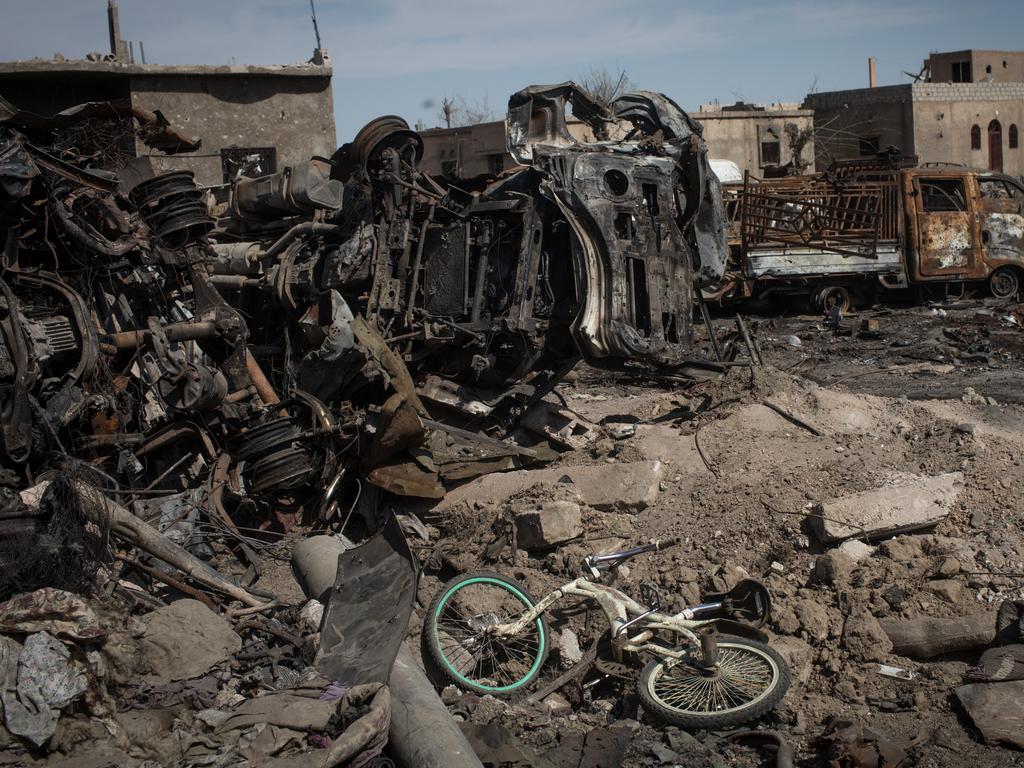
746 657
443 648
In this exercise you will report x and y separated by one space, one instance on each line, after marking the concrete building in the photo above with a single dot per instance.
251 120
972 124
759 138
974 66
948 115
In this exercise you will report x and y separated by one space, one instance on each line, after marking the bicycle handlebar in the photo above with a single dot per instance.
597 563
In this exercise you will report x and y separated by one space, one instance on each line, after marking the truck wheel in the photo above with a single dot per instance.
832 296
1004 283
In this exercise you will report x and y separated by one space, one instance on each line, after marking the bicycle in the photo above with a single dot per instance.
485 634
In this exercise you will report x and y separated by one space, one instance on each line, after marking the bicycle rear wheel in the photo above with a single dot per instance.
750 680
457 638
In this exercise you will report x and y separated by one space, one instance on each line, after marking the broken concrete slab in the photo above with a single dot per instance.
997 710
660 442
906 503
561 426
548 524
927 637
628 487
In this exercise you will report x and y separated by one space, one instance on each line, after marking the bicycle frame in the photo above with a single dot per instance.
622 613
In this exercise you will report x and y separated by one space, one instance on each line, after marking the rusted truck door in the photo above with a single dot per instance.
946 241
1002 221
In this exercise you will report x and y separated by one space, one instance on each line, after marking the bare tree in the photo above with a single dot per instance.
606 86
458 111
798 138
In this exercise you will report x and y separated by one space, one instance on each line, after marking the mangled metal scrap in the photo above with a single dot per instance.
343 319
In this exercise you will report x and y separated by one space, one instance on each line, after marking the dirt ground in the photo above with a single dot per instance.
931 390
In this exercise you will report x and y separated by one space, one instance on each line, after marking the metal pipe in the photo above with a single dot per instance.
173 332
422 732
259 380
299 230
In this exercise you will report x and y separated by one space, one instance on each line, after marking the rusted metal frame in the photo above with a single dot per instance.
416 266
836 220
482 265
755 353
529 256
706 316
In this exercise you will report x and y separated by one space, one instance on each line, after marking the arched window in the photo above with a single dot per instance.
1014 138
995 147
975 137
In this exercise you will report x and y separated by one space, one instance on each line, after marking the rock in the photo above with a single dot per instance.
856 550
970 397
798 656
997 710
864 637
904 549
681 741
664 754
947 589
558 705
966 428
623 486
813 618
906 503
548 524
569 650
831 568
184 640
947 566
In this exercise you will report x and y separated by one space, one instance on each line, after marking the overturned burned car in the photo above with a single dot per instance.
242 371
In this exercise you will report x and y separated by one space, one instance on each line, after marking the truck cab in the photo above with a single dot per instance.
964 225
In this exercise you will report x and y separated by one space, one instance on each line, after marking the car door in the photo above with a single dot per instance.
1001 205
946 244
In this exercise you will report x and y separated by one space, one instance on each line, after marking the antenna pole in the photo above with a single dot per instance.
316 29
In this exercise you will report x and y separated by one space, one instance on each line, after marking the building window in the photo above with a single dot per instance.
988 69
1014 137
771 148
975 137
448 167
995 147
962 72
869 145
496 164
249 162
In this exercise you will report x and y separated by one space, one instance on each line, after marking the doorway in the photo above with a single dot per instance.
995 147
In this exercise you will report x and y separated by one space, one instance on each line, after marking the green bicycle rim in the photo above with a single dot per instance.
509 588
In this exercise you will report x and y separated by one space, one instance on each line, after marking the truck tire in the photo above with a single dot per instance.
1004 283
828 296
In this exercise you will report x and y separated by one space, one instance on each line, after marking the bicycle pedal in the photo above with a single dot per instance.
614 669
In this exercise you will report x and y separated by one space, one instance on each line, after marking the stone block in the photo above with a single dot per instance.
906 503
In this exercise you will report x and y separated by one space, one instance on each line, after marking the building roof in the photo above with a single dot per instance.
124 69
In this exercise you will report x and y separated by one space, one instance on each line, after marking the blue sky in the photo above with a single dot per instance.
403 56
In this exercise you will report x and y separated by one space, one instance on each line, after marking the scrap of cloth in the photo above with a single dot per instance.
50 610
37 680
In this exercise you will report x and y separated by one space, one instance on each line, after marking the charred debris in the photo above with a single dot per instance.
345 325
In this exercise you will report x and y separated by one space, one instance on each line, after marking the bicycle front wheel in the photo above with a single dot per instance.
750 680
458 640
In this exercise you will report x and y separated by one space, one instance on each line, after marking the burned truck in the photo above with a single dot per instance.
869 226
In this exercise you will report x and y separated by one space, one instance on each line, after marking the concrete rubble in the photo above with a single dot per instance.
248 445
